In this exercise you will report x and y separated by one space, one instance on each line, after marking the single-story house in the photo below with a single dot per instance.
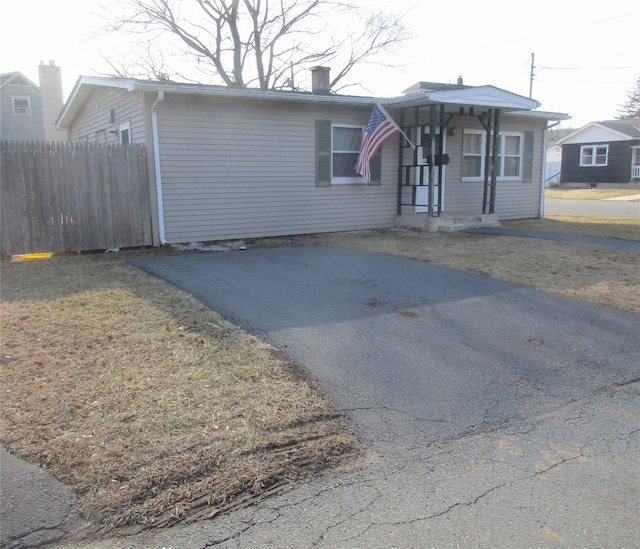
230 163
606 152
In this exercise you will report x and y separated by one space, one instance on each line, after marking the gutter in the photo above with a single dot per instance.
156 164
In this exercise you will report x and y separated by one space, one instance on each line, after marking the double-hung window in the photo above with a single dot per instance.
345 149
594 155
473 154
21 106
510 155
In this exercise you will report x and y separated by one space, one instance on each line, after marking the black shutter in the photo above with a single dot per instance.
527 168
376 168
323 153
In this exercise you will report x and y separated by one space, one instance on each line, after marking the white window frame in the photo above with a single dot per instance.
594 156
125 126
344 180
501 155
483 136
21 98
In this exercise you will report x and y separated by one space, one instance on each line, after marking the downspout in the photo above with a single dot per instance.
544 165
156 164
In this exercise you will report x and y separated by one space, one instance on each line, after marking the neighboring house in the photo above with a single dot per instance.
605 152
28 112
232 163
21 108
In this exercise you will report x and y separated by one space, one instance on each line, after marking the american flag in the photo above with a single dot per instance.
380 128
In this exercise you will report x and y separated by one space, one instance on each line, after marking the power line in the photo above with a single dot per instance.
588 68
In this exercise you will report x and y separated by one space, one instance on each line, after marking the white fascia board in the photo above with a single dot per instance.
480 96
544 115
485 96
603 133
249 93
16 75
81 91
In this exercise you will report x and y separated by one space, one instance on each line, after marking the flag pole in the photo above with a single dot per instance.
396 125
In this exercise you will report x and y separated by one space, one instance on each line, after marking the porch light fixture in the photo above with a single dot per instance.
452 131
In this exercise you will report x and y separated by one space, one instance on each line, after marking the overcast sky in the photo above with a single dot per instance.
587 55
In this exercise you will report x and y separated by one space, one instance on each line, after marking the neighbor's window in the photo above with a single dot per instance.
510 153
22 106
594 155
346 141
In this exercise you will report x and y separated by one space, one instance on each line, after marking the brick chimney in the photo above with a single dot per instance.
52 102
320 80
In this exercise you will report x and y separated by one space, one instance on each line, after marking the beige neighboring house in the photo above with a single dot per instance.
28 112
230 163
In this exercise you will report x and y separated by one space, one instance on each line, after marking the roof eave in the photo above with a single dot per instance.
82 89
625 136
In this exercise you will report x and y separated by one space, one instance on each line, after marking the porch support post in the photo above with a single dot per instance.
494 161
443 125
432 154
487 160
400 162
492 127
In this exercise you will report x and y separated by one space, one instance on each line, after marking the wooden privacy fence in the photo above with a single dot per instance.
60 197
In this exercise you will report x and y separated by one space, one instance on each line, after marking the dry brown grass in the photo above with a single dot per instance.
628 229
156 411
591 273
589 194
149 405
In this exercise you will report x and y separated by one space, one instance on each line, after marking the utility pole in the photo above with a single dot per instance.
533 56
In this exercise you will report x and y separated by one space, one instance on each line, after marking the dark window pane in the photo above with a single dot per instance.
347 139
471 166
344 164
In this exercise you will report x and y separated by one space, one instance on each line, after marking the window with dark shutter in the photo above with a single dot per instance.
323 153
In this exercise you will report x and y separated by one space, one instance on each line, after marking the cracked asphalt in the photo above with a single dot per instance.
497 415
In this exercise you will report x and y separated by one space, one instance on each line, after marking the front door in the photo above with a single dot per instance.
424 171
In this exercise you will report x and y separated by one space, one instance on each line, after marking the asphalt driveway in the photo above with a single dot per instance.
413 352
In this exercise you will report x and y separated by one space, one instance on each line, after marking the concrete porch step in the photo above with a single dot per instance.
452 222
447 222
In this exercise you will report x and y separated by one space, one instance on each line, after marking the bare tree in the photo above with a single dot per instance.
631 107
262 43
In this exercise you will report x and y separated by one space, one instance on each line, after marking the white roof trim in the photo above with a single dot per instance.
86 84
624 136
481 96
15 75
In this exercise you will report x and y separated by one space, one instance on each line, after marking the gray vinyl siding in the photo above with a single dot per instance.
243 169
93 122
514 199
21 128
